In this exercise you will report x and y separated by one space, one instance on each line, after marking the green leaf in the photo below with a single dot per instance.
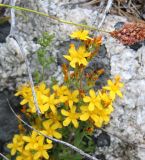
37 76
46 39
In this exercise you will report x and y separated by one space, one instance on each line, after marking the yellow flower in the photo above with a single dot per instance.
72 97
104 116
42 89
77 56
105 99
41 149
61 92
86 114
32 141
16 145
114 87
54 118
72 116
93 100
25 92
82 35
42 100
25 155
98 116
51 103
42 94
50 129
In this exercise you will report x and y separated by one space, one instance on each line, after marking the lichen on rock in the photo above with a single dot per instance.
128 117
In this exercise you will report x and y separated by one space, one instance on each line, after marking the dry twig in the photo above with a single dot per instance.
16 39
4 157
107 9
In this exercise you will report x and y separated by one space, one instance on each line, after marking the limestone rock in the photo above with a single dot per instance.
128 118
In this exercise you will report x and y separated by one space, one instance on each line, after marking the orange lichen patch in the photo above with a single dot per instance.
130 33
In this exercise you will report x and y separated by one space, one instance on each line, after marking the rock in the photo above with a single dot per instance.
4 31
100 157
102 140
128 118
118 25
100 61
8 122
136 46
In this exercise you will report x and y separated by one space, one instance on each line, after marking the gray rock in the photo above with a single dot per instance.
8 121
102 140
128 118
4 31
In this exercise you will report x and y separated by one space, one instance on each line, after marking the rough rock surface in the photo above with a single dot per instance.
128 120
8 122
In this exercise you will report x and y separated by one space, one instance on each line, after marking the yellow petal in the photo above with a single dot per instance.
110 109
64 112
84 117
13 151
37 155
110 83
45 155
10 145
119 94
106 119
73 109
67 57
75 93
43 108
84 108
28 146
73 64
46 124
98 123
55 87
41 140
27 139
112 95
70 103
91 107
48 146
48 141
57 135
42 86
34 134
66 122
53 108
92 93
86 99
24 101
94 117
106 88
75 123
84 62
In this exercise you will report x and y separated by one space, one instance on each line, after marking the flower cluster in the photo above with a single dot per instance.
64 102
32 147
70 104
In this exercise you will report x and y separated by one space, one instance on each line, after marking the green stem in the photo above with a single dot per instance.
43 73
52 17
81 78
